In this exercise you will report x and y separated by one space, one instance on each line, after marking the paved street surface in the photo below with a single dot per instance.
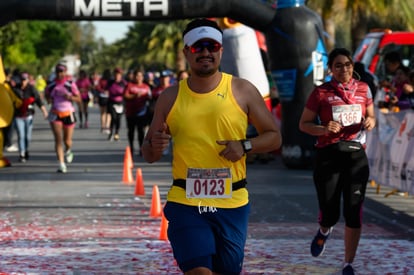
89 222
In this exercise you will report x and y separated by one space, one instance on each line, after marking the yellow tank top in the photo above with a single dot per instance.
195 122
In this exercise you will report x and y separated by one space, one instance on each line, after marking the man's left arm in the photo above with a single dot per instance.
269 137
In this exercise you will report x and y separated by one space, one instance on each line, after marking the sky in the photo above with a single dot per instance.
111 30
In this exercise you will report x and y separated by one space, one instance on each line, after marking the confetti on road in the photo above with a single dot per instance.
100 248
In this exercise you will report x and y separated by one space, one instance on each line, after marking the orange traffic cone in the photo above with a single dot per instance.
155 210
128 157
139 185
127 175
163 228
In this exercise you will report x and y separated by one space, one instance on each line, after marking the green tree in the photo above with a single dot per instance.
88 45
165 44
132 49
33 46
357 16
8 36
151 45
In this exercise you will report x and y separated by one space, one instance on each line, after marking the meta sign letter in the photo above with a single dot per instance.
113 8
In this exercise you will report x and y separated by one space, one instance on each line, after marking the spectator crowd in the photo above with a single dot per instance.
120 95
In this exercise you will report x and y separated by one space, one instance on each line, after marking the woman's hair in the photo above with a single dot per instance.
336 52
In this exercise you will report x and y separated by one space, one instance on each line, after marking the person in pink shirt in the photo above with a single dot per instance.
94 78
103 95
61 93
137 95
84 85
116 89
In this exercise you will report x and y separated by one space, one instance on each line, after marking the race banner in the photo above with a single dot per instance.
390 148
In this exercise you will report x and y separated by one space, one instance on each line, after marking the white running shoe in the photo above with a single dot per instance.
62 168
12 148
69 156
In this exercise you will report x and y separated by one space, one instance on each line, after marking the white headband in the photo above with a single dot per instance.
200 33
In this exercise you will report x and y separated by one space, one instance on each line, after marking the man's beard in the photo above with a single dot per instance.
205 72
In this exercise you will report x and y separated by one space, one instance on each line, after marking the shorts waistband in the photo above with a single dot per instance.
236 186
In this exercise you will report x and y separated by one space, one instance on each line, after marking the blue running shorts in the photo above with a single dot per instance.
203 236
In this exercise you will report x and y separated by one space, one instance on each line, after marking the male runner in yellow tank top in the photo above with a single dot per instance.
206 117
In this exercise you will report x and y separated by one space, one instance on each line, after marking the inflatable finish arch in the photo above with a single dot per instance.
294 37
250 12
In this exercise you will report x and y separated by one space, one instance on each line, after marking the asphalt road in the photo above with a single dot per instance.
89 222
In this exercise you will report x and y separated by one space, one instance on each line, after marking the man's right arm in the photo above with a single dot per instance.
158 138
155 143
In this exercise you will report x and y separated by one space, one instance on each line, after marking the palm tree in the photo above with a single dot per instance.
152 44
165 44
360 13
327 11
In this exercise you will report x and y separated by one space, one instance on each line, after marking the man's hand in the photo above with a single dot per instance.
160 140
233 150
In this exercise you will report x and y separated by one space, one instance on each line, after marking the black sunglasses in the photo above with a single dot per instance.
199 46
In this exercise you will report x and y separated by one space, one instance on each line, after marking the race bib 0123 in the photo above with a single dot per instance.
208 183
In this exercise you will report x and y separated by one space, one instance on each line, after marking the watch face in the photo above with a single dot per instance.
247 145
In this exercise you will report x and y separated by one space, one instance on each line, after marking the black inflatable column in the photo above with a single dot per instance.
298 62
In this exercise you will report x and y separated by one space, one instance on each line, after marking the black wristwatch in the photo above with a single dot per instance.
247 145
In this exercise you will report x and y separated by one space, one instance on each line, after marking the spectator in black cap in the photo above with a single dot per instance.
392 61
164 82
24 115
